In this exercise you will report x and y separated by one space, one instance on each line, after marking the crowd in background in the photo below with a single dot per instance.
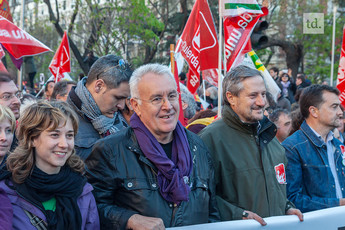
108 151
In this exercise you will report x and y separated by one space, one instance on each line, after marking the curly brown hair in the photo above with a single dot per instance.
35 119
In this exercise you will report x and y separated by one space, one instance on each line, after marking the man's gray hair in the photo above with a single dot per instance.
112 69
233 80
138 74
188 98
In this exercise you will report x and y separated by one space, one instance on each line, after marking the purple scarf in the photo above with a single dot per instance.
171 173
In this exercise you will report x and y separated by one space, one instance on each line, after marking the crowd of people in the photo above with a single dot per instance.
109 151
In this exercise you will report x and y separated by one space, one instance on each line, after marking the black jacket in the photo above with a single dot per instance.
125 183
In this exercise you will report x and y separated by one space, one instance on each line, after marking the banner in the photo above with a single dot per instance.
341 72
61 62
237 31
5 10
325 219
199 49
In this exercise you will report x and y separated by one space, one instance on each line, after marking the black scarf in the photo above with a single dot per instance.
66 187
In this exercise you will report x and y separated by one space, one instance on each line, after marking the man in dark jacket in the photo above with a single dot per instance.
97 98
154 174
249 161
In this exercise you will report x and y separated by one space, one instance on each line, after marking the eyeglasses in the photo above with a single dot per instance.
121 66
159 101
9 96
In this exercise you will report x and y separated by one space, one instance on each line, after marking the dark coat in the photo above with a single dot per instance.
125 183
246 162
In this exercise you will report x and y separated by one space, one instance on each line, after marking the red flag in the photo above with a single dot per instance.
17 42
193 81
2 67
198 43
181 116
61 62
341 72
5 10
237 31
2 52
211 76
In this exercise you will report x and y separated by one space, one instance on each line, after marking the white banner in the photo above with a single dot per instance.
329 219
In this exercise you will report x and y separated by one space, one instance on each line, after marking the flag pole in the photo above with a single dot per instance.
220 61
20 71
172 58
333 41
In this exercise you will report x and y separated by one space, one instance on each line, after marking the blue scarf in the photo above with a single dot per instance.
172 174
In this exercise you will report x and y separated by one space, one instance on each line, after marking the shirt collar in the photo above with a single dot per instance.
329 137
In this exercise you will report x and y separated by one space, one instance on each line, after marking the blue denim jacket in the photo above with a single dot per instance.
310 183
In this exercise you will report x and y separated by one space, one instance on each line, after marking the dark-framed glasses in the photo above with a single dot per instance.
9 96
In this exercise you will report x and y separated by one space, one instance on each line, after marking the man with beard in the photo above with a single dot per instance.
249 161
10 96
315 173
156 173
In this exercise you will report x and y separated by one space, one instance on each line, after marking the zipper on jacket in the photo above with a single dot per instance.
174 210
257 140
37 206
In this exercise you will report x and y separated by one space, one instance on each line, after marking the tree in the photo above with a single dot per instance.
303 52
112 27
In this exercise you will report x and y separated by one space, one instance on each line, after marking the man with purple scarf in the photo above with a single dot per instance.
154 174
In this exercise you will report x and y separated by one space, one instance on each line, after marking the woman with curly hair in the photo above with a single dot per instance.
45 181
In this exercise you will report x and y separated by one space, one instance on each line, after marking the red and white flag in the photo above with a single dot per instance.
237 31
2 54
341 72
17 42
61 62
193 81
198 43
